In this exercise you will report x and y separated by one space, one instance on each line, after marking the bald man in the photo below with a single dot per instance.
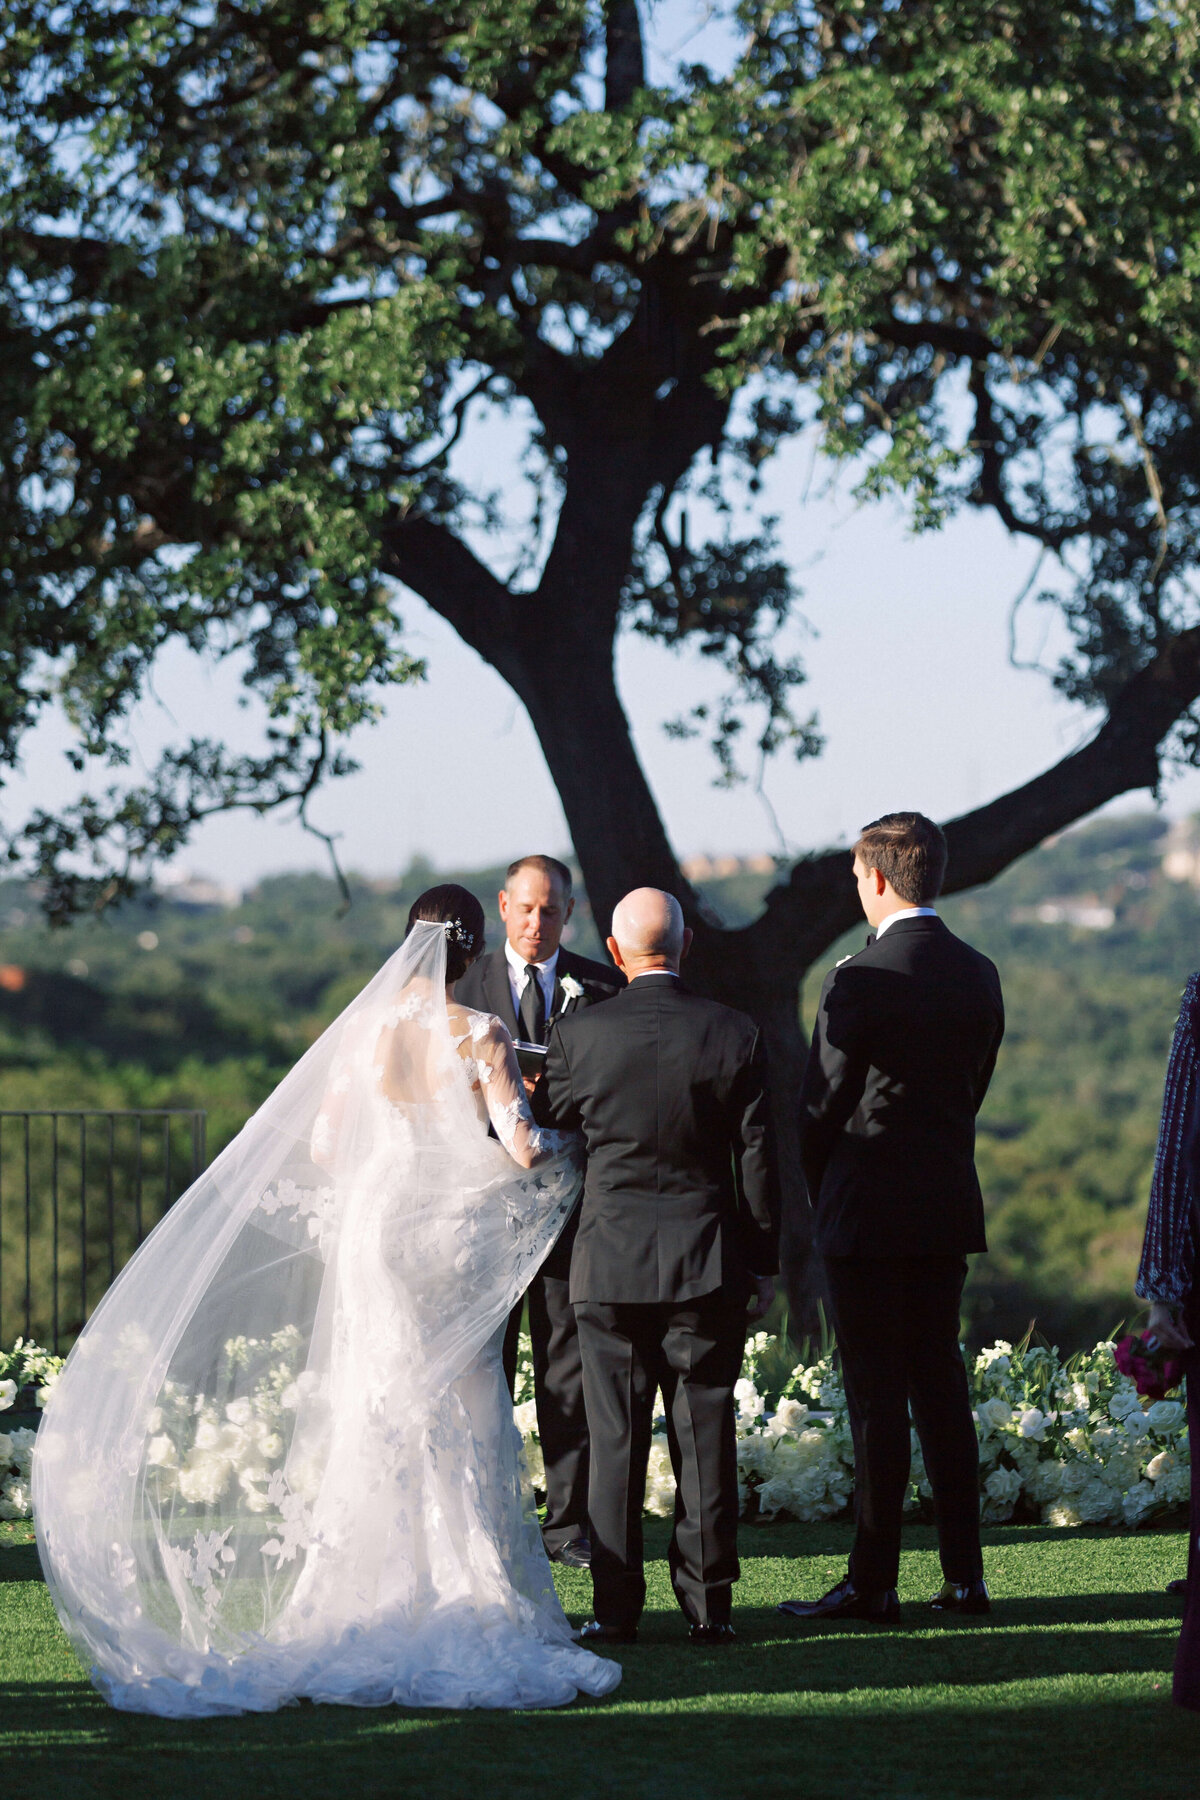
676 1249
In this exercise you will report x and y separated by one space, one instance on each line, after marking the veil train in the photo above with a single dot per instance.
280 1461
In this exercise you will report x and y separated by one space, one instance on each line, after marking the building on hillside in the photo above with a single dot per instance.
1181 852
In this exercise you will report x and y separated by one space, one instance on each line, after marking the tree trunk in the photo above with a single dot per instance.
568 685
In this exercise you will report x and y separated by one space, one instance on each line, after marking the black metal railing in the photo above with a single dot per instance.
79 1190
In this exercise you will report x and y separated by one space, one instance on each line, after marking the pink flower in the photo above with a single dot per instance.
1151 1369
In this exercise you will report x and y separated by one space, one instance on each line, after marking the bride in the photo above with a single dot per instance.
280 1462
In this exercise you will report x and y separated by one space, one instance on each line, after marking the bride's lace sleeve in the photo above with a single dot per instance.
504 1092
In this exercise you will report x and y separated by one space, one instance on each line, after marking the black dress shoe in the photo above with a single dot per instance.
712 1634
596 1633
575 1555
969 1597
1178 1587
845 1601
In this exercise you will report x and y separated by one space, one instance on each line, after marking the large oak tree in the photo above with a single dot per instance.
264 264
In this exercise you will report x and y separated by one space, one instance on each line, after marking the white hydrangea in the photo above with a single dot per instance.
525 1417
660 1479
1001 1491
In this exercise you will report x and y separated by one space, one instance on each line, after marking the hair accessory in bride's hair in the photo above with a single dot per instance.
458 933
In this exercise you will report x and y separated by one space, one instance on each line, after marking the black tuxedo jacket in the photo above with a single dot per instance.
486 987
680 1196
902 1053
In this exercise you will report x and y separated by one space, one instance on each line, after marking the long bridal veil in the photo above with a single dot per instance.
262 1448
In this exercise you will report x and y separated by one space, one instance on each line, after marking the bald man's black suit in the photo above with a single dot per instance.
679 1213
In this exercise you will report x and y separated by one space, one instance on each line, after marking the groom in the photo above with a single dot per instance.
678 1230
530 982
902 1053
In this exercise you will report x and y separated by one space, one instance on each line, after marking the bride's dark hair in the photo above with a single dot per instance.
457 907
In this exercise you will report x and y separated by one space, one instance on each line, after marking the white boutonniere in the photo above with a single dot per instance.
572 989
842 959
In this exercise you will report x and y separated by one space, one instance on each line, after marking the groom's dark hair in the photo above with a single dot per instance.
546 865
909 850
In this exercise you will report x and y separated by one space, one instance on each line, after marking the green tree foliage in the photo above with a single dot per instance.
263 262
263 268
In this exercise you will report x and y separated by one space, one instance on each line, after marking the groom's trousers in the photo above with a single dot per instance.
558 1393
897 1325
692 1350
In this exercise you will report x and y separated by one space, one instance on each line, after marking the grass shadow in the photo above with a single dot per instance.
903 1746
19 1562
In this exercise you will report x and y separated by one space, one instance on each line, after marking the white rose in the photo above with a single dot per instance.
790 1415
1135 1423
239 1412
160 1453
1125 1400
525 1417
1165 1415
1032 1423
995 1413
8 1393
1160 1465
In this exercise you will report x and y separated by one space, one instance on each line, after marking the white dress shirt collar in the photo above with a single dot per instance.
904 912
516 977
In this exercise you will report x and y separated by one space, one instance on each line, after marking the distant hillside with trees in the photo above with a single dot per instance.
181 1001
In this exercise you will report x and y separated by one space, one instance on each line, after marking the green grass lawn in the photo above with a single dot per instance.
1062 1694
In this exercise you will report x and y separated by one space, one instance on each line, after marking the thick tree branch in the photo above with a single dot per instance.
812 910
625 62
429 558
991 490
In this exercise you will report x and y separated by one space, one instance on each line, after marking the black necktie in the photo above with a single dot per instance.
533 1007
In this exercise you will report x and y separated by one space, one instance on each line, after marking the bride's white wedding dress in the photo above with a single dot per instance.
281 1462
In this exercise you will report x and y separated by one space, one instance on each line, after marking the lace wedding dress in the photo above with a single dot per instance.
280 1462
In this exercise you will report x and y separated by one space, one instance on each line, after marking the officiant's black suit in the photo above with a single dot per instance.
902 1053
557 1372
679 1212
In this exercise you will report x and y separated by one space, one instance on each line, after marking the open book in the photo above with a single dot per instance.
531 1058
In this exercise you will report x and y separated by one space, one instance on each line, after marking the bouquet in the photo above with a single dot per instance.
1151 1367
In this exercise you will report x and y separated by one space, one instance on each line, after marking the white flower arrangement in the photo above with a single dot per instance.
1064 1442
1060 1442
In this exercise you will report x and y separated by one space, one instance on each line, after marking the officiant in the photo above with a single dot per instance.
531 982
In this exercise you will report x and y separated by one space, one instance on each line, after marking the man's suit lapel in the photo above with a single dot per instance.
498 991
